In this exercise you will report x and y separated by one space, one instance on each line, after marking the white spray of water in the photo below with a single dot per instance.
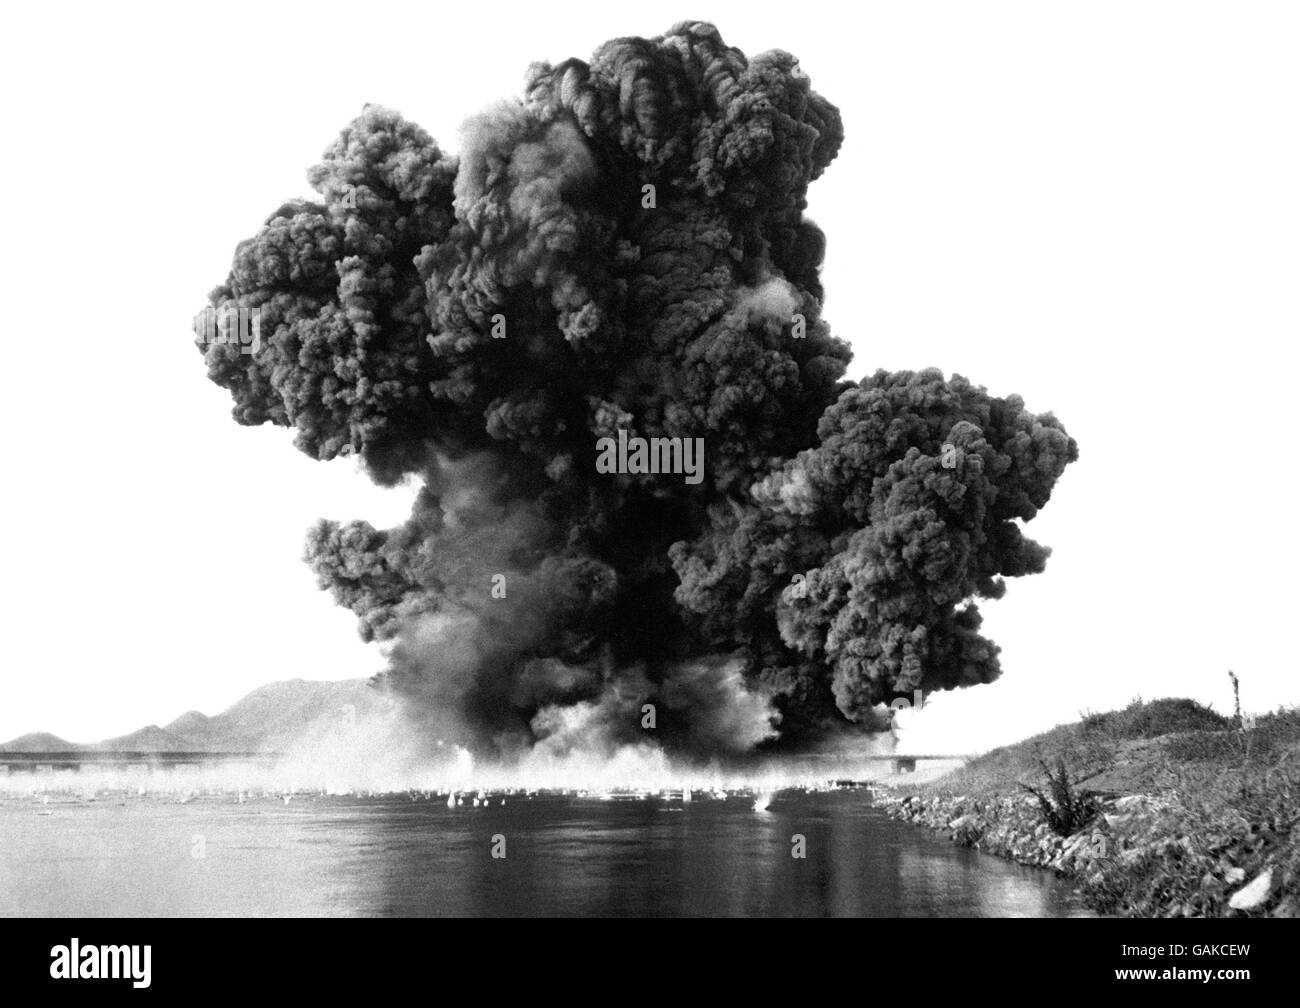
380 754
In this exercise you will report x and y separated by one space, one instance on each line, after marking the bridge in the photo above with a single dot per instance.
901 762
35 761
75 760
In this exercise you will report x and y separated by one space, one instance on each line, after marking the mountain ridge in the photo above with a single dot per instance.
268 719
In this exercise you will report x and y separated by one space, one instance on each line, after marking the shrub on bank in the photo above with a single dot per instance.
1063 807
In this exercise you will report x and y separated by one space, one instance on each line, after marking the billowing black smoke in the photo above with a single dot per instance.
624 250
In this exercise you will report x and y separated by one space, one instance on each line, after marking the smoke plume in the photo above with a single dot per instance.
625 249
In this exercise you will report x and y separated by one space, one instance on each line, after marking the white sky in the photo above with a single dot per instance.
1095 205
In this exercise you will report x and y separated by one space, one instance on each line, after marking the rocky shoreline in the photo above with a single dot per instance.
1127 861
1011 827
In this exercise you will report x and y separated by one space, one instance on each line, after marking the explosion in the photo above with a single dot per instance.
623 254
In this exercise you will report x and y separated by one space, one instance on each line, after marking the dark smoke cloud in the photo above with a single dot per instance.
378 304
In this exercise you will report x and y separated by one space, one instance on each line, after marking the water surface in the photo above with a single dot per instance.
408 855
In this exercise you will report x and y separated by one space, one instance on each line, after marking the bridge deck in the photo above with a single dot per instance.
889 757
76 760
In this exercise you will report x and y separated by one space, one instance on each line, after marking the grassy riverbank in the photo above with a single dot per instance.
1163 809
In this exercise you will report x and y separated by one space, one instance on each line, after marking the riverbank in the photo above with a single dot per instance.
1164 809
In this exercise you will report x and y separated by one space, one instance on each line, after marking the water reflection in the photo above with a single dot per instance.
564 855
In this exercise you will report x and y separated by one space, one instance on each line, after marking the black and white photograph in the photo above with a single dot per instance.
637 461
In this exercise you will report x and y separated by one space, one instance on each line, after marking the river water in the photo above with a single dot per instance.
564 854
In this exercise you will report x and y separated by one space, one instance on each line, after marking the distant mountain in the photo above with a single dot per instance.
39 742
273 717
191 724
270 719
150 739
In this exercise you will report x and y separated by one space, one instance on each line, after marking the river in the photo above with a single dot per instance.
557 854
